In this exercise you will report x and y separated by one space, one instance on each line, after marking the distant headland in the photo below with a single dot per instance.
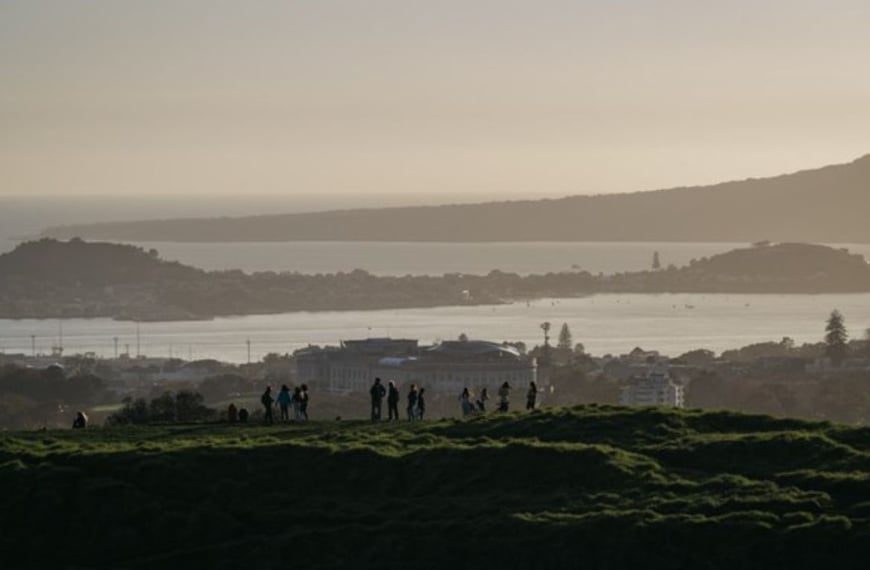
75 278
825 205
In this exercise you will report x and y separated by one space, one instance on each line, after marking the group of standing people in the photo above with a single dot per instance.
298 401
472 406
416 401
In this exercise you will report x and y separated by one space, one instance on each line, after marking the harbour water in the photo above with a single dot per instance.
672 324
22 216
604 323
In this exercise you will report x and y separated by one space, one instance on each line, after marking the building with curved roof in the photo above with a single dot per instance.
446 367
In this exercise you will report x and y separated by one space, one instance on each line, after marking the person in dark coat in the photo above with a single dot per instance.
284 401
481 401
504 397
421 404
412 402
266 399
377 392
532 396
303 403
392 402
81 421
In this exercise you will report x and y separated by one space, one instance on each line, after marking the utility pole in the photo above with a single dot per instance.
116 347
33 345
248 342
138 341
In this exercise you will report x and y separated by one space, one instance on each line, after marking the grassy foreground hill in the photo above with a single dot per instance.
592 486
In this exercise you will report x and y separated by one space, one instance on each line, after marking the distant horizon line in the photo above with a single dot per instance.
452 194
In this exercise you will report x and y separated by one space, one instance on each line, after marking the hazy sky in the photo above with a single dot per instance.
536 97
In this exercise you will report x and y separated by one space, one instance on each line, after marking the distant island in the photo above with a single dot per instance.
826 205
54 279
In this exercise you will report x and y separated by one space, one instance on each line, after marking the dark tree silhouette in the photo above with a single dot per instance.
836 338
565 338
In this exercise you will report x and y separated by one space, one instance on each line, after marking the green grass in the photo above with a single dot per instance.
594 486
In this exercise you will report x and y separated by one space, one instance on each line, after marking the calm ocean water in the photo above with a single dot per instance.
604 323
385 258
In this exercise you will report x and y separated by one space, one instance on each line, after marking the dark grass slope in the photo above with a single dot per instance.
593 487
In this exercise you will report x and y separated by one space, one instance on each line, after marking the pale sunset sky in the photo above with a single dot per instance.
525 99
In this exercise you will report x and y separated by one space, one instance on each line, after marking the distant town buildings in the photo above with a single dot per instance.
448 366
655 388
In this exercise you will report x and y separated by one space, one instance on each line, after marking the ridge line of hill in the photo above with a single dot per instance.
820 205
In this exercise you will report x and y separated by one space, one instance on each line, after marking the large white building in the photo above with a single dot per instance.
447 367
656 388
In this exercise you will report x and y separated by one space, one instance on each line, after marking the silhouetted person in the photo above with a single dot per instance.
392 402
232 414
481 401
377 392
284 401
297 403
412 402
243 416
504 397
465 402
81 421
303 403
532 396
421 404
266 399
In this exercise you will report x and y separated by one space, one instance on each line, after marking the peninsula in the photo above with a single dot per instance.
824 205
54 279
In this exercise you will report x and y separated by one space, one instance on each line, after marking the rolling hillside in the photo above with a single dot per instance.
593 486
825 205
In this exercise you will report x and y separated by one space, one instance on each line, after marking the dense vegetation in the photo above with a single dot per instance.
593 486
183 406
46 397
80 279
824 205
